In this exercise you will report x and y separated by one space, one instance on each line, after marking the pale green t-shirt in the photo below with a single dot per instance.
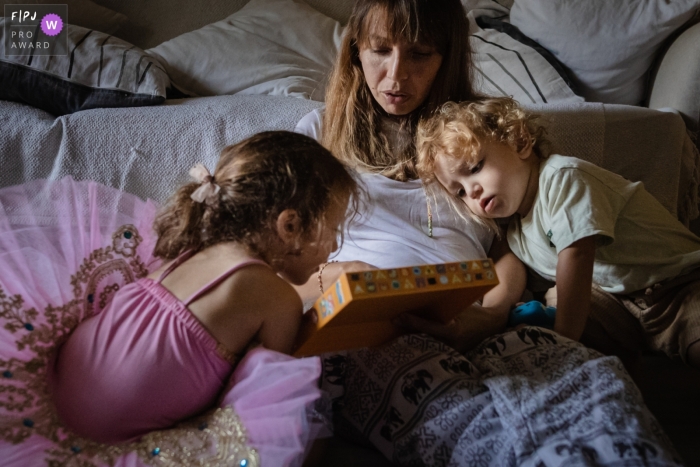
639 243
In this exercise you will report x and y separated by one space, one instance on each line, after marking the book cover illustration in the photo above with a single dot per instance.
356 310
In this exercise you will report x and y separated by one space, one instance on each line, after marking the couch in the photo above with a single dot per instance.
198 88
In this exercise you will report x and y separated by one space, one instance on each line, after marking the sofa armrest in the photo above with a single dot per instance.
676 83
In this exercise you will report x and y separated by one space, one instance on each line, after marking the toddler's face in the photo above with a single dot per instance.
492 186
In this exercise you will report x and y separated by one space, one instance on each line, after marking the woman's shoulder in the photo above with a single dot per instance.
310 124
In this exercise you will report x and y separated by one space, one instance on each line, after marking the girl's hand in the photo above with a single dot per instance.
310 291
333 271
467 330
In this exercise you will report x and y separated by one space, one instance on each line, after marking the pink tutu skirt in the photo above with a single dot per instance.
65 248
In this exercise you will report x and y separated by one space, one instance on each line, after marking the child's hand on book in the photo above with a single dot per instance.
468 329
327 275
332 271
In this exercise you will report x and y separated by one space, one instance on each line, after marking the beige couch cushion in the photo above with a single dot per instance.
677 82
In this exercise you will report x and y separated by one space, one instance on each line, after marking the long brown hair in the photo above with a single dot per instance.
258 178
351 123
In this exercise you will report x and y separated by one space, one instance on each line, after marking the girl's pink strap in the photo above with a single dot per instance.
221 278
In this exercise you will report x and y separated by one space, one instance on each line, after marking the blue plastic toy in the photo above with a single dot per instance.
534 314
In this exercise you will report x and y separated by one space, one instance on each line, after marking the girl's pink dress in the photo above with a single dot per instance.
77 253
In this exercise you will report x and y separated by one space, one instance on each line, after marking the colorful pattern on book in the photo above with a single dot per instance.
398 281
359 308
402 280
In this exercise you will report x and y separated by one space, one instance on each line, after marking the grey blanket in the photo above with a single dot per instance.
524 398
148 151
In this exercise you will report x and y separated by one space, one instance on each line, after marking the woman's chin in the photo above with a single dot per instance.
398 109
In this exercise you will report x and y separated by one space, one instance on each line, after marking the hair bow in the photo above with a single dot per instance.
208 190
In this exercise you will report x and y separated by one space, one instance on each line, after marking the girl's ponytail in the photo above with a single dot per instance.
179 223
255 180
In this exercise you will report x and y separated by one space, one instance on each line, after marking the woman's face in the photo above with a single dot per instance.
399 74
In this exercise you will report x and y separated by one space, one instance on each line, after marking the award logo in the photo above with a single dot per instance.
36 30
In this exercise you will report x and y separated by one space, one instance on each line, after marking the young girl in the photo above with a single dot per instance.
572 221
162 349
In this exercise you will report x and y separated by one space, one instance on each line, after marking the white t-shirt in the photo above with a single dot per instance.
392 228
639 243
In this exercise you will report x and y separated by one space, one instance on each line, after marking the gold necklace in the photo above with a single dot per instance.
393 128
430 212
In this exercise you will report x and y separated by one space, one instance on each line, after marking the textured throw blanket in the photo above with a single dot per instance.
148 150
525 398
638 143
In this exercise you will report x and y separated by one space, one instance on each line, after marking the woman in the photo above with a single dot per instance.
522 398
398 62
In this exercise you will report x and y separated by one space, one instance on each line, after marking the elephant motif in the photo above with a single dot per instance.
587 452
392 420
536 336
414 385
456 365
493 348
334 369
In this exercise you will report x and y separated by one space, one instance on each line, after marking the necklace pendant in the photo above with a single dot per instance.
429 211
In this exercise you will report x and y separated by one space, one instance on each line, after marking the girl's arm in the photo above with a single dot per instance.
574 280
282 316
252 305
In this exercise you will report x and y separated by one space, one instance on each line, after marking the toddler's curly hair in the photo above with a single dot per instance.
457 130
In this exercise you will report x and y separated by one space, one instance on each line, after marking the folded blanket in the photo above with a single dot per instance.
148 150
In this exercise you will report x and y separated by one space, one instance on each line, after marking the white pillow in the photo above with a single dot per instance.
277 47
609 45
505 66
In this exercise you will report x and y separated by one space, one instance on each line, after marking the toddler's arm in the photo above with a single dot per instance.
574 280
476 323
511 280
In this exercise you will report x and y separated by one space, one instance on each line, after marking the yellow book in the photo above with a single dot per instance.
356 311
